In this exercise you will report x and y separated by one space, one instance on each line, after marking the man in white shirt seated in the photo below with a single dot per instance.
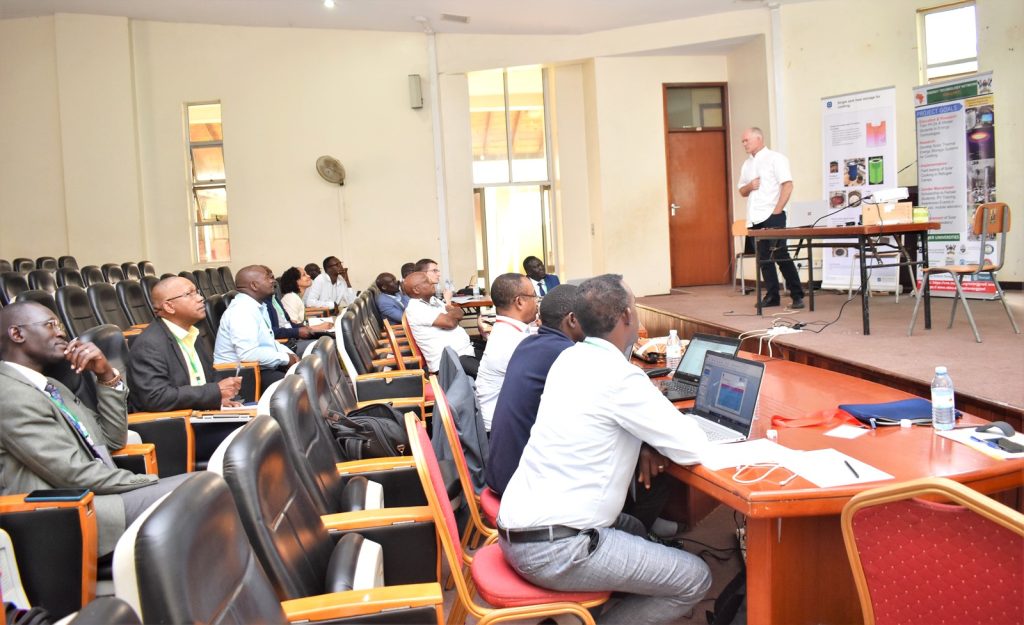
515 301
560 525
331 289
435 325
245 333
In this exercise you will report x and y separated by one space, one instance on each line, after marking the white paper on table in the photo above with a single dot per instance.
827 467
847 431
716 457
966 436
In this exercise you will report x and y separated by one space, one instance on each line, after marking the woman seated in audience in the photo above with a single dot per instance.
294 282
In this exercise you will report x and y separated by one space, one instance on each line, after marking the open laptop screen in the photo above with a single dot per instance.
728 390
700 344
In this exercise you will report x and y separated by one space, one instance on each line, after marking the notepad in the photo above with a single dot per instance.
828 467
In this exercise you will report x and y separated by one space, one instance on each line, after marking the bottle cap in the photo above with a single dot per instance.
940 369
771 435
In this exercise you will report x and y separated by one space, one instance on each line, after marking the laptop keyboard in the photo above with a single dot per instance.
715 434
675 387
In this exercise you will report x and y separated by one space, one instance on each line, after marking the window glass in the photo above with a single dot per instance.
210 241
950 41
487 120
692 107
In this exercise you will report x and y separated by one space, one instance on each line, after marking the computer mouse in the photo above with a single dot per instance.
657 373
1003 427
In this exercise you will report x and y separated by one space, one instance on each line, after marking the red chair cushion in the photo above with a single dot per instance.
500 586
489 504
428 392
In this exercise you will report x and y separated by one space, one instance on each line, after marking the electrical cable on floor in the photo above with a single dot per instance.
824 324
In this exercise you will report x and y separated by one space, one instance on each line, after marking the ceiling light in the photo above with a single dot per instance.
329 4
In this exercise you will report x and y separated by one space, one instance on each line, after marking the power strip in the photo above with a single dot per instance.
777 330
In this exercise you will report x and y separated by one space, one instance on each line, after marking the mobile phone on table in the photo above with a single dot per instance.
57 494
1009 446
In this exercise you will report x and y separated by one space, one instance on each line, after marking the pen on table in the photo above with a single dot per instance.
989 442
852 470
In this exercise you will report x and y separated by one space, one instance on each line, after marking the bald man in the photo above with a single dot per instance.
170 369
435 324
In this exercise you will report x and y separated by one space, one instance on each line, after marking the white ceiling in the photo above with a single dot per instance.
485 16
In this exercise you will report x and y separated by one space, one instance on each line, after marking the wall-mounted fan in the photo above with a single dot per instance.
331 170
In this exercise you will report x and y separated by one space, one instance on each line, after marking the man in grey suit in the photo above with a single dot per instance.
50 439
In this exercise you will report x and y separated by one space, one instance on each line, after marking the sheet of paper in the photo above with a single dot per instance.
964 436
828 467
846 431
717 457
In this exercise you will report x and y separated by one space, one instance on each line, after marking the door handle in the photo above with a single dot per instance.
673 206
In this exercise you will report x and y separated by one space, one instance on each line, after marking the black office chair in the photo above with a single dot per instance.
214 310
131 297
164 276
24 265
216 280
74 310
46 262
67 261
42 280
131 271
112 272
104 304
229 297
202 282
227 277
5 265
11 283
91 274
106 611
40 297
69 275
146 268
148 282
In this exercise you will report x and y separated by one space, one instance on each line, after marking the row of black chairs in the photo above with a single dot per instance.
25 265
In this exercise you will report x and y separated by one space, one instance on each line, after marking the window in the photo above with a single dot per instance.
506 111
949 41
210 240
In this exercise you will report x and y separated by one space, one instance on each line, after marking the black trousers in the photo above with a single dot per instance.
776 250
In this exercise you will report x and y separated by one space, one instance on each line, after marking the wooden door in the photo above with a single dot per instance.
699 236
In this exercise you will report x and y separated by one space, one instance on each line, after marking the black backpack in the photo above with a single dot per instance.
374 431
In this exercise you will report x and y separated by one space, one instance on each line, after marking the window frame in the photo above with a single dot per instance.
922 37
196 222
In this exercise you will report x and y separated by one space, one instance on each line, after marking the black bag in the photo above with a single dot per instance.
374 431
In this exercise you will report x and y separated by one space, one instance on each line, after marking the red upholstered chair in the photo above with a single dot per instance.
492 578
920 561
489 504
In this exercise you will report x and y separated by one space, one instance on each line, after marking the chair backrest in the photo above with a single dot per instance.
69 275
24 265
313 450
902 547
216 280
146 268
103 300
40 297
12 283
189 276
148 282
743 244
989 220
131 271
414 347
42 280
277 512
215 308
437 494
111 341
5 265
91 274
227 277
46 262
112 272
67 261
131 296
188 560
104 611
202 280
339 384
74 310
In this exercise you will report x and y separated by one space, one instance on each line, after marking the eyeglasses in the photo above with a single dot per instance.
188 293
528 295
434 270
53 324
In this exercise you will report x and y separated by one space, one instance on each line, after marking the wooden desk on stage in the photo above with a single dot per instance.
860 234
797 569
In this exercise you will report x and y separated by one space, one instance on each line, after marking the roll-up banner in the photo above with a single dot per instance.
956 171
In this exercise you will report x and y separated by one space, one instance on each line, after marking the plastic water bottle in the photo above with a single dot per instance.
476 288
673 350
943 417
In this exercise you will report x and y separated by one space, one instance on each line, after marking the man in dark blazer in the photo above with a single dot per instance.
50 439
169 368
542 280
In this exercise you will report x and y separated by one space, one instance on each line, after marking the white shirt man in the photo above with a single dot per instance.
503 340
431 339
326 294
773 170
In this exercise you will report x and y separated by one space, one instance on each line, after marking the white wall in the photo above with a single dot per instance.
748 106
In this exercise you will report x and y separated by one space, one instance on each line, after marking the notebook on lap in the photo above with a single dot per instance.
683 384
727 397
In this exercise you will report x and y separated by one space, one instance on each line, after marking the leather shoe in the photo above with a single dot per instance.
798 303
769 302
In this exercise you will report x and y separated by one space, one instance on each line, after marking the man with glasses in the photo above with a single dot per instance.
50 439
332 288
515 302
170 369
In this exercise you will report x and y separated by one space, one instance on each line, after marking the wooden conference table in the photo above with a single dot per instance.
861 234
797 568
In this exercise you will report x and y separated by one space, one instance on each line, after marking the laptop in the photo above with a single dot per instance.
683 384
727 396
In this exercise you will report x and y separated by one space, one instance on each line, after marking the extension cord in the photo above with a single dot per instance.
741 540
777 330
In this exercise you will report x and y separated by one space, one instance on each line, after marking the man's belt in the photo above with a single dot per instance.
545 533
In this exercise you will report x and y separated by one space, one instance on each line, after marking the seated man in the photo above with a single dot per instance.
542 280
50 440
433 272
169 368
312 270
331 289
435 325
245 332
391 302
516 305
596 411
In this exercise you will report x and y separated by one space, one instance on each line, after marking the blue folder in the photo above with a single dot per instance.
917 410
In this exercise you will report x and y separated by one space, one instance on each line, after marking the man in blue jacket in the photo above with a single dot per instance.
391 302
543 281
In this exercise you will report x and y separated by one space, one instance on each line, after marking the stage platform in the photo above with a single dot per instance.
989 376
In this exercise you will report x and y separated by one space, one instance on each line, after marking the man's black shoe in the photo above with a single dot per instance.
798 303
769 302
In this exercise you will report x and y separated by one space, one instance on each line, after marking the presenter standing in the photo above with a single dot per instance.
766 182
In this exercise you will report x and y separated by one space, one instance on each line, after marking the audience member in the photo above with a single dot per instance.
515 303
407 268
542 280
313 270
391 302
245 332
51 440
430 268
435 325
169 368
332 288
297 336
560 524
294 282
516 408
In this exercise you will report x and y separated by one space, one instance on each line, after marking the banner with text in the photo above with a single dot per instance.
858 136
956 171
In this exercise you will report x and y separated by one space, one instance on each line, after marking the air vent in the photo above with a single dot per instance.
448 17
